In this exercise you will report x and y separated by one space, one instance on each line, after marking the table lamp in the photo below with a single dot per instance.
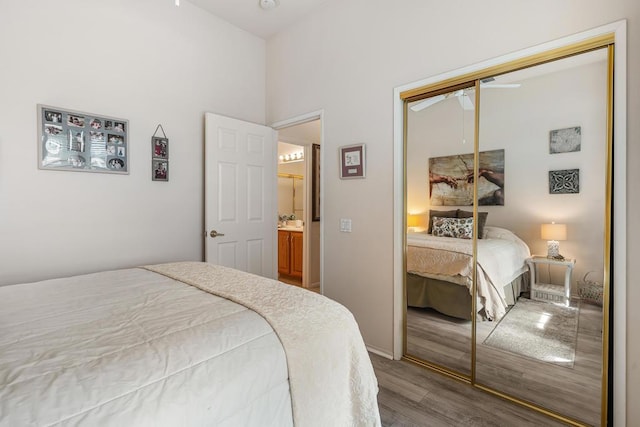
552 233
413 221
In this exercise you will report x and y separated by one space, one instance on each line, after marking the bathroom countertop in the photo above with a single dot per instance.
291 228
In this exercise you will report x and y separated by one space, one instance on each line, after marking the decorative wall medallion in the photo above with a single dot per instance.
564 181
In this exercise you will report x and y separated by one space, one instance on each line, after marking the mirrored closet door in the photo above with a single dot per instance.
439 153
508 212
551 127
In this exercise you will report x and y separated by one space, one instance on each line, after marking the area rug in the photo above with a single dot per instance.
539 330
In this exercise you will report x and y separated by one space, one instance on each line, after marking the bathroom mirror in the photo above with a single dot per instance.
291 195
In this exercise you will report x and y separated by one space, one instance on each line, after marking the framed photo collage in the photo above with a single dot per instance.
72 140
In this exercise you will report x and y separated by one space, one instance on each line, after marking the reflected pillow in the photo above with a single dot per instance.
440 214
482 220
460 228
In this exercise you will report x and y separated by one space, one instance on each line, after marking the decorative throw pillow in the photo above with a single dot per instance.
441 214
482 220
461 228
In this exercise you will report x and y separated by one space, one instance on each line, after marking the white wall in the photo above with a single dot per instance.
347 59
519 121
146 61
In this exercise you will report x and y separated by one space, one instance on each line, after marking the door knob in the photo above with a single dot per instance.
214 233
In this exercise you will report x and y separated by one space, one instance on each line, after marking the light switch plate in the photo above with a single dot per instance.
345 225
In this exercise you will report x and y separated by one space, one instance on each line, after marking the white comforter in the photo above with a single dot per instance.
501 258
330 373
133 347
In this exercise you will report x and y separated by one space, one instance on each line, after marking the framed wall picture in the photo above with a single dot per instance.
160 170
160 148
315 182
451 179
565 140
78 141
352 161
159 155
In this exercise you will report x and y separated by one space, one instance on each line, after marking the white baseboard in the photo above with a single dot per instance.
379 352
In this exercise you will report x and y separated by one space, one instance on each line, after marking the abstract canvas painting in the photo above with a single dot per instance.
451 179
565 140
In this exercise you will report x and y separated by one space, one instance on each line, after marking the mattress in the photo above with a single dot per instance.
134 347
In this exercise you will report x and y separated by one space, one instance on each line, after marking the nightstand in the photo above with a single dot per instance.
548 291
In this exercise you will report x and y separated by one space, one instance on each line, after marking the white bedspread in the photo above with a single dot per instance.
501 258
331 377
132 347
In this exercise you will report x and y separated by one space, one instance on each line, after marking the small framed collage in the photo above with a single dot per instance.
159 156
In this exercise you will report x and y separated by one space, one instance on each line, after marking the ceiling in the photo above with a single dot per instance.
248 15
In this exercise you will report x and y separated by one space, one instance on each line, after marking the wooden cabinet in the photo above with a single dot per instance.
296 254
290 253
284 252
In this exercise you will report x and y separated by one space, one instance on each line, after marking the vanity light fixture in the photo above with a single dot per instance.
177 2
552 233
292 157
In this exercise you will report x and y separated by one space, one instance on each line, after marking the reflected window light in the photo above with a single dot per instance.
544 319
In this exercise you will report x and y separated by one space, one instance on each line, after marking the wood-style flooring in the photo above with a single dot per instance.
410 395
572 391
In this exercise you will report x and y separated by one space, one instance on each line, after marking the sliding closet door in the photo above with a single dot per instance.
542 190
439 265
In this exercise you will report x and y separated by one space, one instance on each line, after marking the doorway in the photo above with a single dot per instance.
299 219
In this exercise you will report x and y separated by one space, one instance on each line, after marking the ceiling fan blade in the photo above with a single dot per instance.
427 103
463 98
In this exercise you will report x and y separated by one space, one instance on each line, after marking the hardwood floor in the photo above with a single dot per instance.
573 391
440 339
410 395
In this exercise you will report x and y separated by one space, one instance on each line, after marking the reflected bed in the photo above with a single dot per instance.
440 273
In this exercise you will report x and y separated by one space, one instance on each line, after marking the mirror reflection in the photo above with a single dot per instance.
439 274
541 219
290 196
546 347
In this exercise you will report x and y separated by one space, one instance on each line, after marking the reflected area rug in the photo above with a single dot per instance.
539 330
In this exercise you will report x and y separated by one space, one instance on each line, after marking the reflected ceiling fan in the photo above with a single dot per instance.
463 97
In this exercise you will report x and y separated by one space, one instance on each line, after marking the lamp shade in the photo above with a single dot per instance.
554 231
413 220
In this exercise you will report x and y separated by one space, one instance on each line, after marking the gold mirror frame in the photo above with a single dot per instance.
605 41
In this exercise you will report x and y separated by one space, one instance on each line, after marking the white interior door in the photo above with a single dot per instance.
240 208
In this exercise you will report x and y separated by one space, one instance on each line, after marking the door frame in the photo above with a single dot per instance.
619 216
293 121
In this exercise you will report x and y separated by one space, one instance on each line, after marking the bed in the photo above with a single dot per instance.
180 344
440 273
